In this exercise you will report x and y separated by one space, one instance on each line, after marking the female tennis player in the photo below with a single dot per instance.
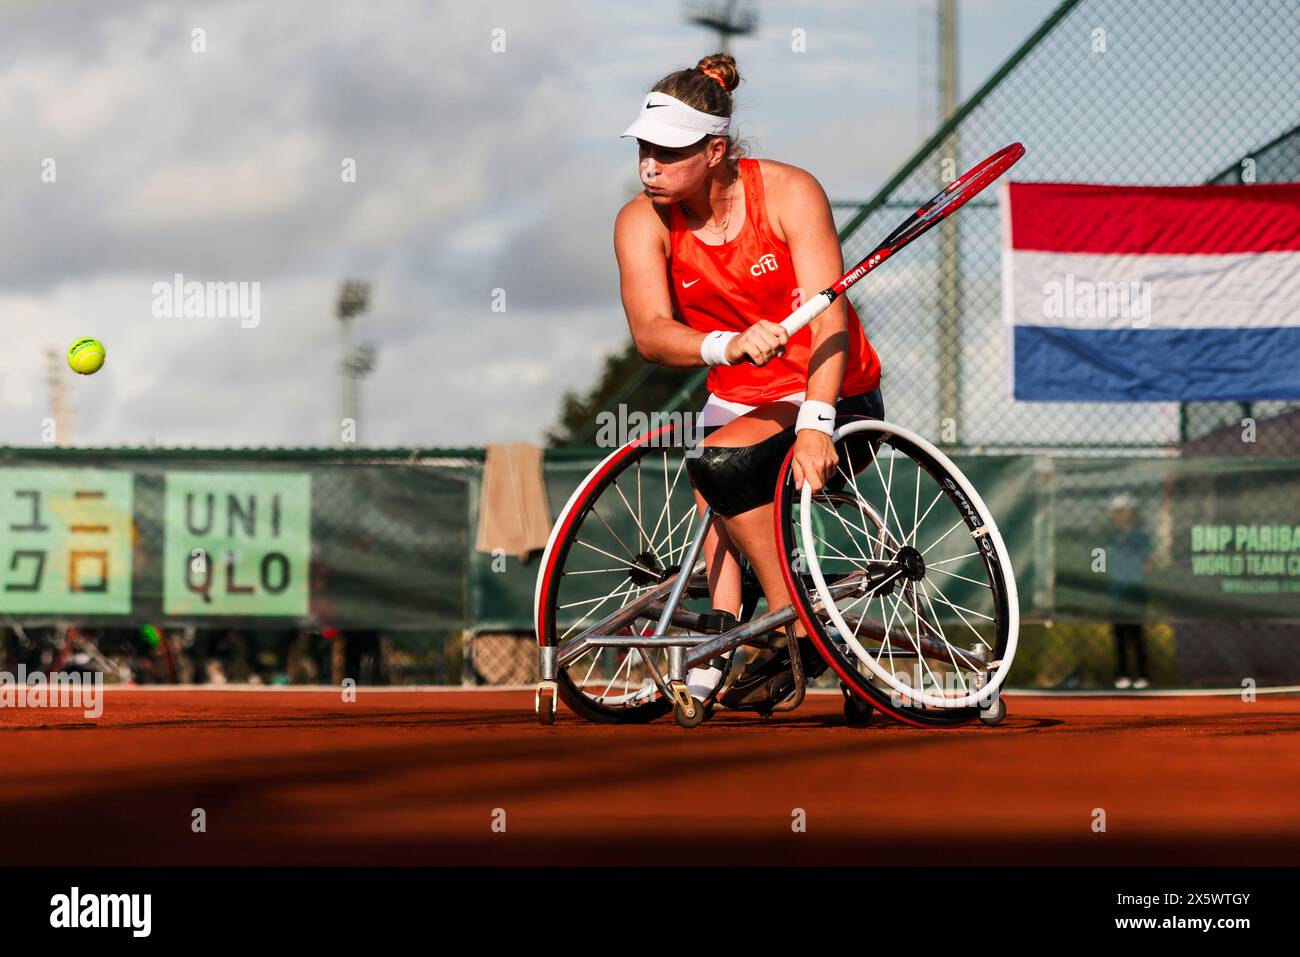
712 255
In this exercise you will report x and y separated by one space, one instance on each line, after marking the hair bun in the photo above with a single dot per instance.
722 68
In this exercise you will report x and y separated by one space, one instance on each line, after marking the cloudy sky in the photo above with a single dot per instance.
475 170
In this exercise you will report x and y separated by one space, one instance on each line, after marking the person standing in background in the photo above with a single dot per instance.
1129 556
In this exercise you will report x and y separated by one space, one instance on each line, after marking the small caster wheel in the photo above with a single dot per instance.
545 704
856 711
995 714
695 719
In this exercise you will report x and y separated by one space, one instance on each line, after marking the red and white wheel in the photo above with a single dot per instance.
617 542
900 576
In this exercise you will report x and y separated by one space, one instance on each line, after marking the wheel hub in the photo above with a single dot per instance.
911 562
645 569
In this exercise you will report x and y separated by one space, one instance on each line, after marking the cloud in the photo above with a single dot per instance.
476 170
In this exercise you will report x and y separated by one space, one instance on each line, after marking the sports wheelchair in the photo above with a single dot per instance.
896 570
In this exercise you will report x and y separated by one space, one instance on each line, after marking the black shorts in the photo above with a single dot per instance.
735 480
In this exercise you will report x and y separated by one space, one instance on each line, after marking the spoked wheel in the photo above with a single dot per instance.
613 555
899 574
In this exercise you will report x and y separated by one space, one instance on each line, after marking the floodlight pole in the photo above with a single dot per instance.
56 372
727 17
354 299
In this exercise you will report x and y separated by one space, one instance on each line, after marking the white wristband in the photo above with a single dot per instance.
815 415
713 348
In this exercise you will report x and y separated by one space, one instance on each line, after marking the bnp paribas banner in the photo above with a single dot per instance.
67 541
1177 539
236 543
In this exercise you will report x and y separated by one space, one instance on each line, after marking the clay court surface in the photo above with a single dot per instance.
300 777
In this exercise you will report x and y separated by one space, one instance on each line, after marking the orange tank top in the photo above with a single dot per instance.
751 277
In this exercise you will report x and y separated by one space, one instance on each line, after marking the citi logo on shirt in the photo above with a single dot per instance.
766 263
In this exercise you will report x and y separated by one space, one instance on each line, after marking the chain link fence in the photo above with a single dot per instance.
1163 92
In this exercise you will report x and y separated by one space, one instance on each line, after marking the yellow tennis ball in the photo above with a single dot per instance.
86 356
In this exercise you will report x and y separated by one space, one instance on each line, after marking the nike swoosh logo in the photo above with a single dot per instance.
651 106
823 418
688 285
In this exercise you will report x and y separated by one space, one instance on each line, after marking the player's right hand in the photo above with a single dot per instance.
760 343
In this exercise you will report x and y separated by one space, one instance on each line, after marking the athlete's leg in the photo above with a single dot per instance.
751 531
732 425
722 560
737 472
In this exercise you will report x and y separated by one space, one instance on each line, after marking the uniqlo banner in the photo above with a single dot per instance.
1151 293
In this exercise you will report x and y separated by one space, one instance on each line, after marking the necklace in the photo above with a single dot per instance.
731 192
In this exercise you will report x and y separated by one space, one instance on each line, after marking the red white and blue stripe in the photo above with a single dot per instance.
1152 293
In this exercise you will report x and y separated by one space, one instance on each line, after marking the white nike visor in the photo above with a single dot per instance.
666 121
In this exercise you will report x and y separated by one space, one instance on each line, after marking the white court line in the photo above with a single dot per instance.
322 689
1012 692
1150 692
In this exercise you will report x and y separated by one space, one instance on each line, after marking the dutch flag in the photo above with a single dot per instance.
1151 293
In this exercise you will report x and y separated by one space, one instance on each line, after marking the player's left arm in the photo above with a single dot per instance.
818 262
805 217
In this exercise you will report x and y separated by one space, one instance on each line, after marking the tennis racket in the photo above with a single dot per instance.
954 196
